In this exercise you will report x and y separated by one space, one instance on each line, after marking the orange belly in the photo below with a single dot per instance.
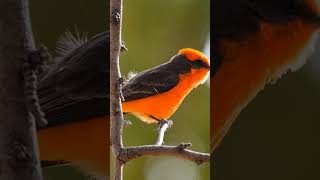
248 65
84 144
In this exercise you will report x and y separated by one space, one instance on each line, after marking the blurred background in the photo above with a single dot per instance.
52 18
277 136
153 31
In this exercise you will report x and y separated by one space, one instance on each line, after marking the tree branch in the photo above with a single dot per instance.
179 151
116 117
18 142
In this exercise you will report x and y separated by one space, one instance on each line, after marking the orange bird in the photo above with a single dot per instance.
155 94
254 43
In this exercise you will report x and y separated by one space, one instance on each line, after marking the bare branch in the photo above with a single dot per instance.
18 142
116 117
179 151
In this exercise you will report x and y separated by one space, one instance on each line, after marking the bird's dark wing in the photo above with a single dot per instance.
77 87
150 82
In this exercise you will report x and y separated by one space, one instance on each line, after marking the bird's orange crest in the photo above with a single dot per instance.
193 54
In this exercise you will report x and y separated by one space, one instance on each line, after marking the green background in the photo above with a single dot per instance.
153 32
277 136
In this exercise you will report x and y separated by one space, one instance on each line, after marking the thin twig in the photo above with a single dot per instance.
116 117
162 129
179 151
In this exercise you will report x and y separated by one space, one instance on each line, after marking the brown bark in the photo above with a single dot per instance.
116 116
18 146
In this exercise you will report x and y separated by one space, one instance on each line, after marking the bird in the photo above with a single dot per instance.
254 43
74 96
155 94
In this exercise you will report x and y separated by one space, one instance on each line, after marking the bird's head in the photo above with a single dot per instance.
197 59
192 62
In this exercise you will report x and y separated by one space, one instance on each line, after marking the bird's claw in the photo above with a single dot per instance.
163 122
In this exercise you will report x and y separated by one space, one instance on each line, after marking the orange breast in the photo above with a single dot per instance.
85 144
163 105
249 64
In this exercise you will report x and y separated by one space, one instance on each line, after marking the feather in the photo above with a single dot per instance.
68 42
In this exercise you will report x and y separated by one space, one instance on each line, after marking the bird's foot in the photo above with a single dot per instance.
169 123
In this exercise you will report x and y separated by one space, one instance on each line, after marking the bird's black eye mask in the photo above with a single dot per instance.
182 65
195 64
198 64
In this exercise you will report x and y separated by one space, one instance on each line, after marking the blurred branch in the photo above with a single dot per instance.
32 67
116 116
19 157
179 151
